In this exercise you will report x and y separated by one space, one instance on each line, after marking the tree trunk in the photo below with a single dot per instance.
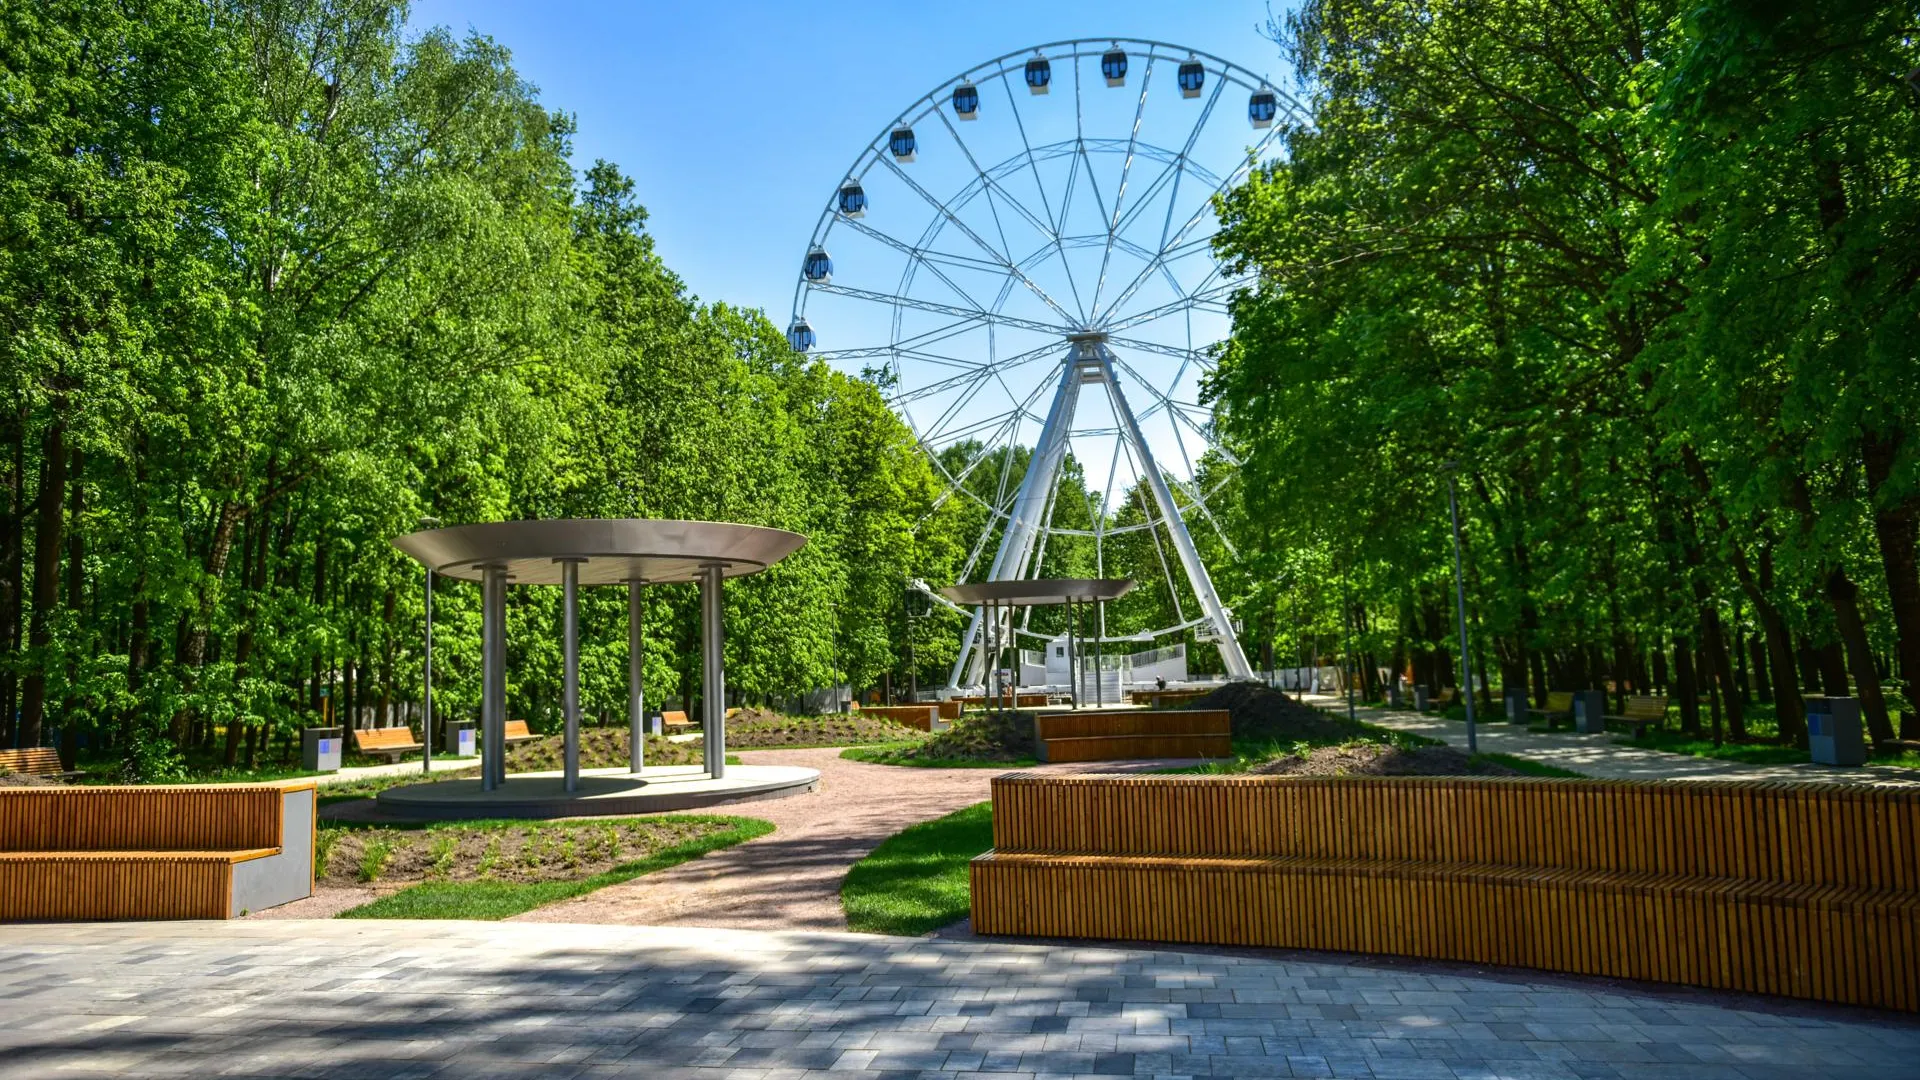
1853 633
13 492
1897 528
76 600
1833 669
1757 657
1685 684
1660 664
1713 640
46 576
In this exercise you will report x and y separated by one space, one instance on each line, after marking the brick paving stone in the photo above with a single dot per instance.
424 1001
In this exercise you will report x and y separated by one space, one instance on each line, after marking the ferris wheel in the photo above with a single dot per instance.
1024 257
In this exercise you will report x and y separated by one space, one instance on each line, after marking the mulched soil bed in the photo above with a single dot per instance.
759 729
1374 759
1258 712
546 851
17 779
600 748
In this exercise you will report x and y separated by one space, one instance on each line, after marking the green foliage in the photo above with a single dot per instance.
916 880
1640 279
281 280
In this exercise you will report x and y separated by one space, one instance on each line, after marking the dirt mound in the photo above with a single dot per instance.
1260 713
983 737
17 779
752 728
1374 759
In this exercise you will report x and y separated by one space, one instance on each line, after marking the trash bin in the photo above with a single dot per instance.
1420 698
655 725
1396 699
1834 732
1516 704
459 739
1589 706
320 749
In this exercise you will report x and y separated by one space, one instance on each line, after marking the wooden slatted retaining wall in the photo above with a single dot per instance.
101 885
913 716
1787 889
1132 734
140 819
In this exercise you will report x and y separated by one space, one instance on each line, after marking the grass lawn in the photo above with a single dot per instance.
916 881
497 869
897 754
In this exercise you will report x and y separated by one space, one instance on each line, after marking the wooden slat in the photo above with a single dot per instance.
140 818
1804 890
32 761
96 886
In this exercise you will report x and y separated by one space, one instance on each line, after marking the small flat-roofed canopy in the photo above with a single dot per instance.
612 551
1038 591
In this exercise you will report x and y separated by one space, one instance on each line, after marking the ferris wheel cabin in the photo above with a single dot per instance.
1039 75
1262 107
901 144
800 335
1113 66
1193 76
853 200
966 101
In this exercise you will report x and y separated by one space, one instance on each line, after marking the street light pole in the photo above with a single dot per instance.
426 673
1452 469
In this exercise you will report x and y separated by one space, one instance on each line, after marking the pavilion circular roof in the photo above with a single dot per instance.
610 551
1034 592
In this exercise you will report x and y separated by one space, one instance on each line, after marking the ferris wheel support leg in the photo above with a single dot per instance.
1029 511
1203 590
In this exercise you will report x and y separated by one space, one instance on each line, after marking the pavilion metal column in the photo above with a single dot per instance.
1073 653
570 668
493 677
636 696
713 692
1099 645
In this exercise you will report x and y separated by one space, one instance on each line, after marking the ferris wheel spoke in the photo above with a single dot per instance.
979 316
1174 307
1140 345
991 185
971 371
1004 261
1126 172
1151 520
931 260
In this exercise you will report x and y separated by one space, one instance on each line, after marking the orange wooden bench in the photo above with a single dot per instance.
518 732
154 852
1804 890
675 718
388 742
1641 713
1133 734
34 761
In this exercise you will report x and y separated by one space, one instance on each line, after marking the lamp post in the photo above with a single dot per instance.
426 673
1452 469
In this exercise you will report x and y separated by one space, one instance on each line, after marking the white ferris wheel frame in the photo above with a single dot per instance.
1089 340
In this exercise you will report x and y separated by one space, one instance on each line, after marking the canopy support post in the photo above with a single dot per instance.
713 692
493 678
570 668
636 670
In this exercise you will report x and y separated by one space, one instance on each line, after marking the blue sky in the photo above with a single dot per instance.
738 120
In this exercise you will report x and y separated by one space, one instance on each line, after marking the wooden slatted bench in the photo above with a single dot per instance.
387 742
35 761
1559 704
951 709
673 719
1641 713
1133 734
154 852
1163 699
1808 891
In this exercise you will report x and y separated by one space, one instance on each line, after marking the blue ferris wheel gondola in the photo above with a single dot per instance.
966 101
1113 65
901 144
1262 107
1193 76
800 335
818 267
853 200
1039 74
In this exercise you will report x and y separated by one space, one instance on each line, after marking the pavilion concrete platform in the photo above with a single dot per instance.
602 793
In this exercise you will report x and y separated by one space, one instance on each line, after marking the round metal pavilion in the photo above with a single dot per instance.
595 551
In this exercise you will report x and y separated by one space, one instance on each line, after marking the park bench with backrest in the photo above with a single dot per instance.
517 732
1809 890
387 742
154 852
675 718
1641 713
35 761
1559 704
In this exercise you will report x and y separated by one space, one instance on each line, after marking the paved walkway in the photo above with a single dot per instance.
1600 757
389 1000
790 879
